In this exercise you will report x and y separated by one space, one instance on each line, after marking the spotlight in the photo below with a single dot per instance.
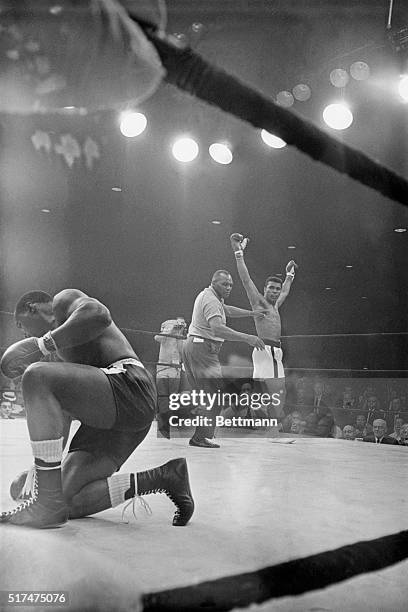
338 116
272 141
185 149
285 98
403 87
301 92
360 71
220 153
339 77
132 124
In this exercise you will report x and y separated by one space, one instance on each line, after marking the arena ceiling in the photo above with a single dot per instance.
147 249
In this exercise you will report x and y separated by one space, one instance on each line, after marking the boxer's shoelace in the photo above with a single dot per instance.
28 485
169 495
27 502
132 502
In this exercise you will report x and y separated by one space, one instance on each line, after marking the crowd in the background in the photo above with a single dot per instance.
348 408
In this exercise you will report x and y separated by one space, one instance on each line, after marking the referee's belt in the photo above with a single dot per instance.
206 339
275 343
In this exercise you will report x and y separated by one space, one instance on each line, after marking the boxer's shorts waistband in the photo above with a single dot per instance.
118 366
275 343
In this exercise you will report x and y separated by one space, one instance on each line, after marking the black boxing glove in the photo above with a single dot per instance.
238 243
21 354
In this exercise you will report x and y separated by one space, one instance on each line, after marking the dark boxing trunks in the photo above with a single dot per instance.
135 398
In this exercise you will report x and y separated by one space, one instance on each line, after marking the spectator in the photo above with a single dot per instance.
398 423
346 399
362 400
168 372
349 432
320 394
311 424
362 427
294 423
373 406
242 408
403 441
378 436
395 405
6 410
324 427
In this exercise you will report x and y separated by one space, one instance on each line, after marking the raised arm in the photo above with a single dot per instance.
238 244
291 267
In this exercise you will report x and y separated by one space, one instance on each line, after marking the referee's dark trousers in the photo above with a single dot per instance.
203 370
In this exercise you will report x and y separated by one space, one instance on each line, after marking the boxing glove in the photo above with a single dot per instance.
19 356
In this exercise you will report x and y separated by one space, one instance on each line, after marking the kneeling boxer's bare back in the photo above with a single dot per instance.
77 364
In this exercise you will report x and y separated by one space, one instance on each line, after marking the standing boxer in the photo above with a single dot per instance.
102 383
268 366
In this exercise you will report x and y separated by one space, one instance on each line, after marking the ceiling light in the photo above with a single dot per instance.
216 222
116 188
339 77
403 87
272 141
400 230
291 247
220 153
360 71
185 149
301 92
132 124
285 99
338 116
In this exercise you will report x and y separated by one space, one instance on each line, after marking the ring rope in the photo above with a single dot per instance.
285 337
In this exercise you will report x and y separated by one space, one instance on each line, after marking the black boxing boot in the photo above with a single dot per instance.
172 479
45 508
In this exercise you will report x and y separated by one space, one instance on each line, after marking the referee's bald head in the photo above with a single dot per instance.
219 275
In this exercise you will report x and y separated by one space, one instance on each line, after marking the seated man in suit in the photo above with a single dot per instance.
378 436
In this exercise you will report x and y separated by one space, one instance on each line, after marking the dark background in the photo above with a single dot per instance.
148 250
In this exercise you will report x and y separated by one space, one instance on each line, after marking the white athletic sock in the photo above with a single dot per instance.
49 451
118 485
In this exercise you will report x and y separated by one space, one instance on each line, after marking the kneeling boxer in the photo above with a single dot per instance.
100 381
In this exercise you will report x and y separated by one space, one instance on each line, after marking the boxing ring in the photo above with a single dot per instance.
272 520
286 523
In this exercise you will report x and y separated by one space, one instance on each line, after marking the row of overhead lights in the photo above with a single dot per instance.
186 149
